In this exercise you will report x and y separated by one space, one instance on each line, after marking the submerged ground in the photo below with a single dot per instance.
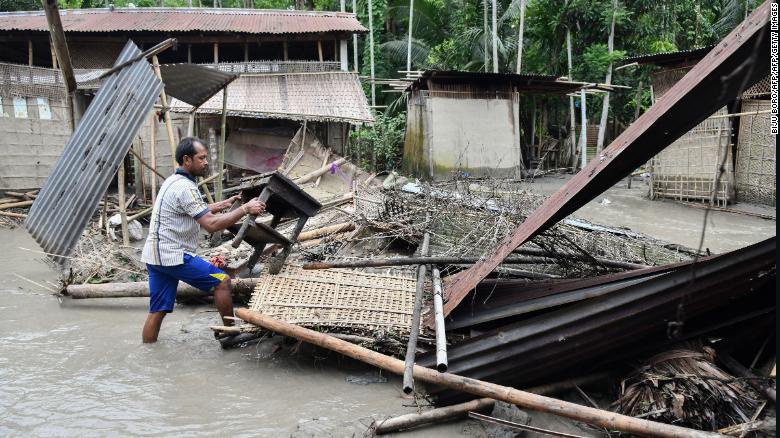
78 367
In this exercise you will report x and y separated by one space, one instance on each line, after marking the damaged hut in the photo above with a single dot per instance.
481 124
288 60
687 170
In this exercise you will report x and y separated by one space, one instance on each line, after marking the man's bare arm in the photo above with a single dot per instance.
213 223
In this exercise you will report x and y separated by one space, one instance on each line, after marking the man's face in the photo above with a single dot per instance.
197 165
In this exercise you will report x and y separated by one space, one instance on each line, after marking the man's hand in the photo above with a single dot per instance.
229 201
253 207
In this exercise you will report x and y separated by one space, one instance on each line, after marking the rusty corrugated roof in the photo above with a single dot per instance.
325 96
164 20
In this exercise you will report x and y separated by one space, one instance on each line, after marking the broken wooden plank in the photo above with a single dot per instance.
413 420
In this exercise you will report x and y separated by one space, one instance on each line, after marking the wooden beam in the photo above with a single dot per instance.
167 114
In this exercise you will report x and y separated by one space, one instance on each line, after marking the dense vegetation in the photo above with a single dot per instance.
452 34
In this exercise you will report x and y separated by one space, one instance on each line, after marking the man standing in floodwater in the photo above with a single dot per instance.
169 252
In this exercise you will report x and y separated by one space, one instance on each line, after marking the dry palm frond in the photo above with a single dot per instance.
686 388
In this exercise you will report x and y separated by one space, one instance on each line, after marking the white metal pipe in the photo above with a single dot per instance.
438 309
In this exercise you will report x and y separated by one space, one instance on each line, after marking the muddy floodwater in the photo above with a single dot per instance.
78 368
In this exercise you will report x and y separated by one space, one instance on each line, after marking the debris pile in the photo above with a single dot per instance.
685 387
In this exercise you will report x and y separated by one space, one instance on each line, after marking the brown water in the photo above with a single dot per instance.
78 368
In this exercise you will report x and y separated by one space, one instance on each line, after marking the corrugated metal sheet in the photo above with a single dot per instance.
665 58
636 317
193 83
247 21
331 96
93 153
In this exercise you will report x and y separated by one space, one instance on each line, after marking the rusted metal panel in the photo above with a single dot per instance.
667 58
94 152
637 318
246 21
440 80
736 63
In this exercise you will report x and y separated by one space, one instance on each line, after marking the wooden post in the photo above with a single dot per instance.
586 414
371 51
166 113
221 156
29 53
284 47
438 311
246 52
153 154
608 80
103 222
216 53
189 53
411 346
241 287
120 181
520 37
319 50
57 35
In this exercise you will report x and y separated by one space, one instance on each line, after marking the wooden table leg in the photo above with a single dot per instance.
250 220
276 263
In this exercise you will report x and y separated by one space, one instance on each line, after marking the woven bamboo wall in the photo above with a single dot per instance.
686 170
756 156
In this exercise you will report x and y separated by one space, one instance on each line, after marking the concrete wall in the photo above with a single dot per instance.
30 146
449 136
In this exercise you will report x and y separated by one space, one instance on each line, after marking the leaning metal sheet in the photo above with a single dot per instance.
93 154
342 298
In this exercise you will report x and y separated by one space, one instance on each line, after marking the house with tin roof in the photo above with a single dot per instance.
293 69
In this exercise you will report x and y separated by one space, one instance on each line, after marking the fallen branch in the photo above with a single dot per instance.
527 400
582 257
16 204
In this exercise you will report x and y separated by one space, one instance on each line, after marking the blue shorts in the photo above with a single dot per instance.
163 281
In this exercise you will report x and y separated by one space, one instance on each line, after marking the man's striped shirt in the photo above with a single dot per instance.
173 229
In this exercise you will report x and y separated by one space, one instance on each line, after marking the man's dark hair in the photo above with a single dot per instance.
186 148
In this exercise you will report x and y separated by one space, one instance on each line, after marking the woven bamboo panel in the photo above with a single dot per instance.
665 79
756 156
686 169
338 298
759 89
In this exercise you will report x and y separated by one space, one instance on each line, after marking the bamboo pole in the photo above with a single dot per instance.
495 37
120 181
221 154
16 204
409 421
586 414
371 50
584 132
409 42
520 37
145 164
321 171
12 214
608 81
355 40
326 231
411 346
438 309
153 154
166 113
240 287
485 31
